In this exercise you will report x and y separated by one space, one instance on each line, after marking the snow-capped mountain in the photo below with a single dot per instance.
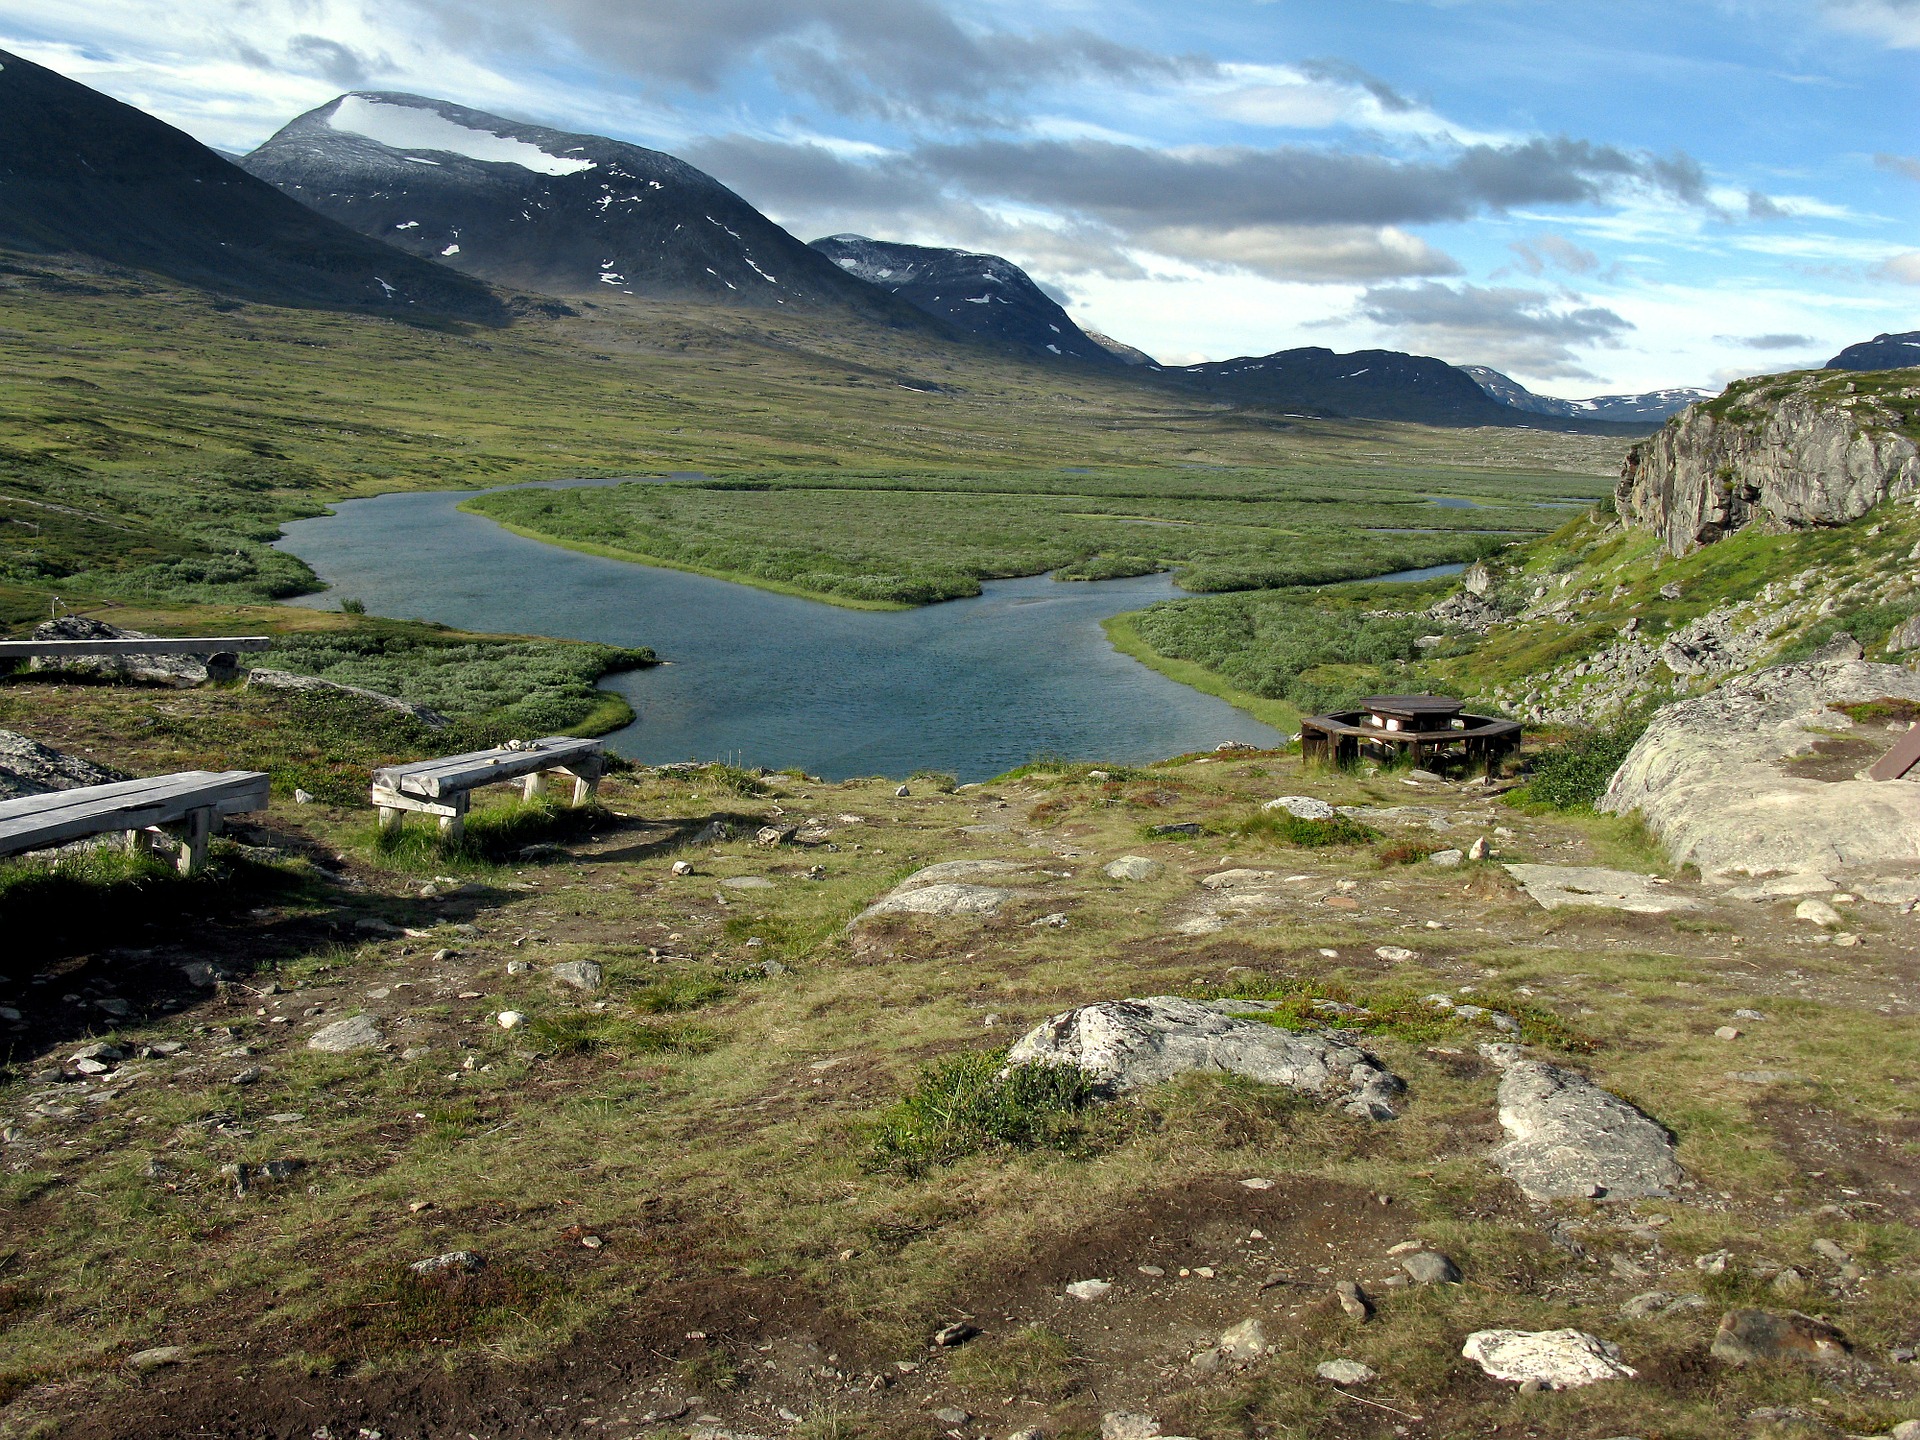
1883 352
982 295
1650 406
84 174
561 213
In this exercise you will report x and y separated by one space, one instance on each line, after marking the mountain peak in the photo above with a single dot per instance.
984 295
1650 405
554 211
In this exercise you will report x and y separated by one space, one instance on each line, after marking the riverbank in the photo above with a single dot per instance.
1124 632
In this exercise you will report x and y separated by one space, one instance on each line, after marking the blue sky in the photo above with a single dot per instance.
1590 197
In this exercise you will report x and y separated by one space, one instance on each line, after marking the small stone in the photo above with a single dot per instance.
1816 912
1788 1282
1352 1300
592 1242
249 1076
1255 1182
1830 1250
1905 1430
1126 1425
1727 1032
1714 1262
1206 1361
1302 807
1345 1372
510 1019
415 1052
1029 1433
90 1067
580 974
359 1032
1447 859
1245 1341
1478 850
1748 1015
901 792
1132 867
1430 1267
1152 1272
301 797
771 835
143 1362
957 1333
1650 1302
1089 1289
681 867
1396 954
454 1262
952 1416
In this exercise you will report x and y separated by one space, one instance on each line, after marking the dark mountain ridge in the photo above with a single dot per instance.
83 174
562 213
981 295
1883 352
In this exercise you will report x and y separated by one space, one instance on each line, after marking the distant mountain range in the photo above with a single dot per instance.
981 295
1370 384
566 214
1629 409
1883 352
84 174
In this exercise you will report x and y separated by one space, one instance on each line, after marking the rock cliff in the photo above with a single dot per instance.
1787 452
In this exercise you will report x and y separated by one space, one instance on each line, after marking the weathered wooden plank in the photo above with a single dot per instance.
1904 755
157 645
35 822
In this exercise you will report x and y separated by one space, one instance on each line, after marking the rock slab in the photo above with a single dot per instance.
29 768
1553 1359
952 888
1574 1141
344 1036
1553 886
1129 1044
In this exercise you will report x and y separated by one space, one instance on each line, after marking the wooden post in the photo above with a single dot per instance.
534 786
195 829
453 828
391 817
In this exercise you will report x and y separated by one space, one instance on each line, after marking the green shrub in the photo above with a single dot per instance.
1574 774
968 1103
1289 829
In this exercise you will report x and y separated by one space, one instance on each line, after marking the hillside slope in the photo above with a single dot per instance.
1883 352
561 213
84 174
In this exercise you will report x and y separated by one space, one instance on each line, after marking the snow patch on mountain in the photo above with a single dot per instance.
408 127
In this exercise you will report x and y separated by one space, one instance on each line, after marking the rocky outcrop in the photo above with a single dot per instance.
948 890
29 768
1127 1044
179 671
1714 777
1789 452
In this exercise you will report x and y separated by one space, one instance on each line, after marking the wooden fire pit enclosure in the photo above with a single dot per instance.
1423 727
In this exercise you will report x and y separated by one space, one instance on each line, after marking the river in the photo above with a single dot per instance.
969 687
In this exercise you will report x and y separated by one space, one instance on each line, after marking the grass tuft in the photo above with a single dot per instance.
966 1104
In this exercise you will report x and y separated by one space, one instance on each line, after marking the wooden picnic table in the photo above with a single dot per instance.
192 801
442 787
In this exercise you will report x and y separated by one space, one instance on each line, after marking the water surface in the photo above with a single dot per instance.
971 687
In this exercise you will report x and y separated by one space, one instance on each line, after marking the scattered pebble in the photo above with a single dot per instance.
1089 1289
1346 1372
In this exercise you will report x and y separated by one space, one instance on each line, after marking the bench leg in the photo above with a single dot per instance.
390 819
584 788
453 828
195 830
534 786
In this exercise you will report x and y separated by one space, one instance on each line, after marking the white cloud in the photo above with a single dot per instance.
1904 268
1895 23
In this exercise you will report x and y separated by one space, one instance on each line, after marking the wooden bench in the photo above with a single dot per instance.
192 802
441 787
155 645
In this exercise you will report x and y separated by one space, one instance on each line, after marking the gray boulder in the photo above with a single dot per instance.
1571 1139
29 768
1131 867
1550 1359
1129 1044
1301 807
1710 775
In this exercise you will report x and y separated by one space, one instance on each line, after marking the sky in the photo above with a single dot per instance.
1593 198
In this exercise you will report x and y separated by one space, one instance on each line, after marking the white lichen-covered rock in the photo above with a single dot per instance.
1789 452
1571 1139
1128 1044
1301 807
29 768
1131 867
1553 886
360 1032
1557 1359
1710 775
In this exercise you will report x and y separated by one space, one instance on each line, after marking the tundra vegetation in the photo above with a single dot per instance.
748 1161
